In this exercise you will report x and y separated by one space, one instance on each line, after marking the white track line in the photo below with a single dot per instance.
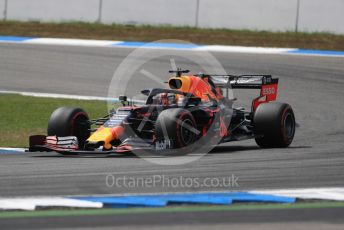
71 42
61 96
242 49
32 203
336 193
12 149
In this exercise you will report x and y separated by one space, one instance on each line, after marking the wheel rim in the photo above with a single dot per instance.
289 125
186 133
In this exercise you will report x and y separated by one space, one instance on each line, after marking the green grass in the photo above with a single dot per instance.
124 211
22 116
325 41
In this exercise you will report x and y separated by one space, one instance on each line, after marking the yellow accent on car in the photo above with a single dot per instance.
102 134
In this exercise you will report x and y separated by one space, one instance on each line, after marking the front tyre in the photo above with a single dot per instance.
176 125
274 125
69 121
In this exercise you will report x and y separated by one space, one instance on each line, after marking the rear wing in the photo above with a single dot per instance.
242 81
268 86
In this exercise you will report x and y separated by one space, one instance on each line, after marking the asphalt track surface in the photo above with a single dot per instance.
312 85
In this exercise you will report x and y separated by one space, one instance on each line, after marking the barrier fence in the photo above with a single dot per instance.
267 15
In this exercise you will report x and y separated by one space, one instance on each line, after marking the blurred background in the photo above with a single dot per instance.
266 15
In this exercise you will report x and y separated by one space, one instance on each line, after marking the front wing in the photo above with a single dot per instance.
69 145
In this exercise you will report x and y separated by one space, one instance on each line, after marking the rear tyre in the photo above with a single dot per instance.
274 125
69 121
176 125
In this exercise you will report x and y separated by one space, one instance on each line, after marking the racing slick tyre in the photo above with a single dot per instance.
69 121
176 125
274 125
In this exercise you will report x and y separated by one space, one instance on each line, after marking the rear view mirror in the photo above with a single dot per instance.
123 99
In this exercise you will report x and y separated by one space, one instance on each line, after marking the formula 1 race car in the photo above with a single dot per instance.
191 108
